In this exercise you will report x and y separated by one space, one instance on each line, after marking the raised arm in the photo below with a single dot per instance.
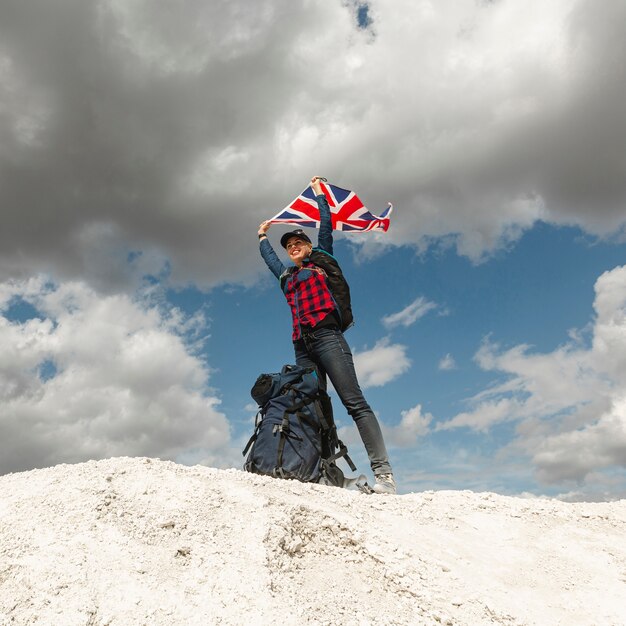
267 252
325 237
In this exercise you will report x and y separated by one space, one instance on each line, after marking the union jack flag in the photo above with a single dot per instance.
346 210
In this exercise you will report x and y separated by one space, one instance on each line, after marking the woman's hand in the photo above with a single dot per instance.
316 186
264 227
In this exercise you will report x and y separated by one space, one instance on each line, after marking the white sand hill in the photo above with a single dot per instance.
140 541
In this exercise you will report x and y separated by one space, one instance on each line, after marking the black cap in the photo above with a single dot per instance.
294 233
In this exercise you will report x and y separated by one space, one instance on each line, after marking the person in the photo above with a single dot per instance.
317 337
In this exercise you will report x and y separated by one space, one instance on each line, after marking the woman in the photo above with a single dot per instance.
317 337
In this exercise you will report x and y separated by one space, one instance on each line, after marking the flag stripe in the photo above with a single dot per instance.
347 211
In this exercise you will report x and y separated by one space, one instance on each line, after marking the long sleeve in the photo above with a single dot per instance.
271 258
325 237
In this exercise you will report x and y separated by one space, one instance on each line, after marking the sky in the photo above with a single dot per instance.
142 142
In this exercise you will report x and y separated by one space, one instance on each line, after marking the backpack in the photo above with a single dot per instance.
337 284
295 435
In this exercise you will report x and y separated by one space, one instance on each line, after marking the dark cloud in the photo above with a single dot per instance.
174 129
107 114
584 165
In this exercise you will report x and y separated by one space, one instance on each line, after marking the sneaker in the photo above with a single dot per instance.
385 483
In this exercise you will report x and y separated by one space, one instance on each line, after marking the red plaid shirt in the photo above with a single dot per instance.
308 297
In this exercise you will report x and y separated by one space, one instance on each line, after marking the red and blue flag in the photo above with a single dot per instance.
346 210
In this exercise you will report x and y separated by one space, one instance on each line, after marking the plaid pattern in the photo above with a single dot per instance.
308 296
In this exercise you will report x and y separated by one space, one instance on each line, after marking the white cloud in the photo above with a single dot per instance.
447 363
414 424
487 414
118 378
577 452
569 405
410 314
383 363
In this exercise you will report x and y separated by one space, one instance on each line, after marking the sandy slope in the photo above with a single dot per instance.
139 541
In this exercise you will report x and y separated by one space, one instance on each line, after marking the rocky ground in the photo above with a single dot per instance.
143 541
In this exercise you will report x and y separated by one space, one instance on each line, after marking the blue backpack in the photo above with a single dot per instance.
295 434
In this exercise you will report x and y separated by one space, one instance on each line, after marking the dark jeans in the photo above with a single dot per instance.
327 350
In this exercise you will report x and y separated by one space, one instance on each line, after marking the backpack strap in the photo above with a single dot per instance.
342 452
250 442
283 433
257 423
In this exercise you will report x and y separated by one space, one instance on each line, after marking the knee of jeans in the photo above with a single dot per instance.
358 408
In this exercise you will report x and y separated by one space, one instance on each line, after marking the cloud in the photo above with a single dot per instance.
410 314
487 414
413 424
86 376
162 128
447 363
569 405
574 453
383 363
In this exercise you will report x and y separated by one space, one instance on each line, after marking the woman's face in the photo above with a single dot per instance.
298 249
